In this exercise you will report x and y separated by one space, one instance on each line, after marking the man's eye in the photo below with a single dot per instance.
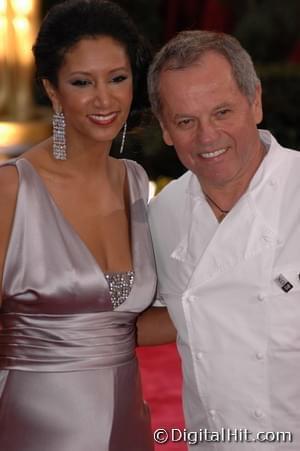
222 113
184 123
80 83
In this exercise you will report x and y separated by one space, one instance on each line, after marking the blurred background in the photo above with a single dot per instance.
268 29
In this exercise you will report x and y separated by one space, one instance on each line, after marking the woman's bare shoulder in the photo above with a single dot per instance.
9 182
9 178
8 196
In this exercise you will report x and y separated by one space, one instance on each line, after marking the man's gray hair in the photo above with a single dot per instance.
187 47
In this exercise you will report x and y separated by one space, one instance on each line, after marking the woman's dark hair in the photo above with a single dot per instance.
68 22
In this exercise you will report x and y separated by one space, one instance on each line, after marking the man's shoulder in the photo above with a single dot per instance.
281 160
172 193
293 154
282 148
291 172
167 214
285 169
292 158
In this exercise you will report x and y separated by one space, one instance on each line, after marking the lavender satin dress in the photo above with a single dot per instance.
69 379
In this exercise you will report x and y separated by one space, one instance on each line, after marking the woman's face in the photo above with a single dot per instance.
94 91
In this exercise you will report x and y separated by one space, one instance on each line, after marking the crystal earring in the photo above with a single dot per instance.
123 137
59 138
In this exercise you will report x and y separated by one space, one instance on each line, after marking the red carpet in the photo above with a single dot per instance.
161 377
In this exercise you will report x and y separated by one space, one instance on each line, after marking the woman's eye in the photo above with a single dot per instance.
119 78
80 83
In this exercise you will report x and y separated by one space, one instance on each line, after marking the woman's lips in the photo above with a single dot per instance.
103 119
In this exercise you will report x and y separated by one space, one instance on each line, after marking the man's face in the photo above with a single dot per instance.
211 124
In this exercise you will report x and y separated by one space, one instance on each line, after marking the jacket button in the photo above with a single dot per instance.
260 297
199 355
273 183
258 413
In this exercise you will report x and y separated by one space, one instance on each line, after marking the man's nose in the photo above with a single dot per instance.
207 132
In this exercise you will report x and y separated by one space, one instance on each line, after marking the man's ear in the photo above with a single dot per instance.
52 94
166 136
257 105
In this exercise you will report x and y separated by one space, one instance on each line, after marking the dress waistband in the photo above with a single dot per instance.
76 342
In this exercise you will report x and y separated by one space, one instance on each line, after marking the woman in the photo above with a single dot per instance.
75 252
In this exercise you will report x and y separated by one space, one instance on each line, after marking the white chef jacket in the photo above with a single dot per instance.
238 330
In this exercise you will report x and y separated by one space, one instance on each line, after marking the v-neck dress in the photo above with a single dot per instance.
69 379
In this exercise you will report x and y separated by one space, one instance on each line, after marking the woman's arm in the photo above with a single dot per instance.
155 327
8 196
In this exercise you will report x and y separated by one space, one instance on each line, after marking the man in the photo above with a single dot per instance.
227 244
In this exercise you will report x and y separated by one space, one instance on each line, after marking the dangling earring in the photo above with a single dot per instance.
59 139
123 137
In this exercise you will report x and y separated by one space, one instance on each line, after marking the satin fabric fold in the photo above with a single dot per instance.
66 342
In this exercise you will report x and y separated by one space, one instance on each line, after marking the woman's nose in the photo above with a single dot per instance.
102 96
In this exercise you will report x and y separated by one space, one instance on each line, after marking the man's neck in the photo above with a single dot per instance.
223 197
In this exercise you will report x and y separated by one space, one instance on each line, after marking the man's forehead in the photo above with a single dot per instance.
206 57
210 72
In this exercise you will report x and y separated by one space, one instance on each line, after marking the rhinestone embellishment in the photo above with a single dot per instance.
119 284
59 139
